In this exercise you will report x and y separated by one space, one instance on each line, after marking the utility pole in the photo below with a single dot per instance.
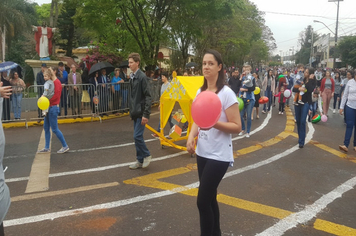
336 29
311 47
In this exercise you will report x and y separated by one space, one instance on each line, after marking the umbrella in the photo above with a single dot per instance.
5 66
191 64
343 68
101 65
124 64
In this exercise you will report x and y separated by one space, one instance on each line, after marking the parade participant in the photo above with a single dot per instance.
247 83
327 89
337 92
235 81
140 110
348 103
301 110
50 121
40 82
268 85
48 91
214 147
281 100
5 200
257 97
248 107
290 81
64 80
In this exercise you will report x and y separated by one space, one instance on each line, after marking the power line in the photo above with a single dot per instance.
291 14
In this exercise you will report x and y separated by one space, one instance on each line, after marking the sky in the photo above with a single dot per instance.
286 27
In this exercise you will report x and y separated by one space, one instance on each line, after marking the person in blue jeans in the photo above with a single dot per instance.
268 85
302 110
348 104
140 110
18 85
248 107
51 119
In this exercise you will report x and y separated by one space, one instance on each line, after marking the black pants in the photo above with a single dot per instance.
6 109
210 174
281 106
2 232
336 96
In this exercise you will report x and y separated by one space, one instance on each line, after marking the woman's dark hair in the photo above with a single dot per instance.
221 77
351 72
338 78
268 76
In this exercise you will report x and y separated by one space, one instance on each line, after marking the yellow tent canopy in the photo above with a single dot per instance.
182 89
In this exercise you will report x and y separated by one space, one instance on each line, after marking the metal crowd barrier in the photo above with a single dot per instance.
76 101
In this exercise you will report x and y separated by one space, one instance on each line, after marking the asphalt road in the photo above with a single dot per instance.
274 188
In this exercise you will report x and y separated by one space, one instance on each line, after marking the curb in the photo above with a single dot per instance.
61 121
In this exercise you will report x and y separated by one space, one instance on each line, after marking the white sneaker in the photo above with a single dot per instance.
279 113
136 165
146 161
247 135
241 133
334 111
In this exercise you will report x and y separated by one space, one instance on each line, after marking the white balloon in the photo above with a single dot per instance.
287 93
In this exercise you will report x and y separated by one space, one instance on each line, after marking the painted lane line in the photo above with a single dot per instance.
38 180
333 228
62 192
259 128
310 211
96 169
115 204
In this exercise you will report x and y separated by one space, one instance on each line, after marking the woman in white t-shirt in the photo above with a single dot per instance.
214 146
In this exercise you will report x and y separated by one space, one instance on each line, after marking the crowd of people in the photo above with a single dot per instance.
313 91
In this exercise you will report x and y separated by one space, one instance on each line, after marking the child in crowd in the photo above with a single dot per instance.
48 90
314 104
282 100
299 83
246 83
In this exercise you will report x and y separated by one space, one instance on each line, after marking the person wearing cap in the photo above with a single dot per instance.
40 81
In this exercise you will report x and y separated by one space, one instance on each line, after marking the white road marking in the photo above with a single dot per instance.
38 180
263 125
115 204
96 169
62 192
310 211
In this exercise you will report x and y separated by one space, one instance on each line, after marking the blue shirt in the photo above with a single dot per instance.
64 79
114 81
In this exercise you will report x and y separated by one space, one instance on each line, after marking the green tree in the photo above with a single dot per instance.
12 21
305 40
347 49
43 12
66 27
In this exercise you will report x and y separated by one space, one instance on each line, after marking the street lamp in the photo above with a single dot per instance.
324 25
334 56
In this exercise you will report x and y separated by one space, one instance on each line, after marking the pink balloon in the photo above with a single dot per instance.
324 118
206 109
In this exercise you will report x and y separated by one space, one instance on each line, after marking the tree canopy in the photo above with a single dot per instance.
347 49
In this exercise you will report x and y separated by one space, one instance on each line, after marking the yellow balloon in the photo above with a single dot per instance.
43 103
183 120
257 90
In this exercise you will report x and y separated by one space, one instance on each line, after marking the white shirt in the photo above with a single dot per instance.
349 97
213 143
